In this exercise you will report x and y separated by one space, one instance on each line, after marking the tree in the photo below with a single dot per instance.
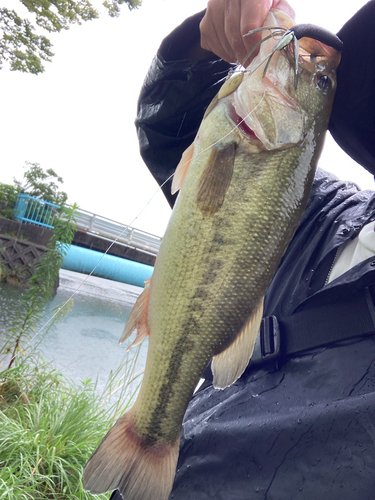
41 184
8 198
24 48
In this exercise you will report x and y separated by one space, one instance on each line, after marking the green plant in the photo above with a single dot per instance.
42 282
24 48
49 428
41 184
8 196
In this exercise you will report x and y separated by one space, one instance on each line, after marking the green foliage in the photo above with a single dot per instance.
24 48
56 15
43 281
41 184
20 45
48 430
113 8
50 427
8 196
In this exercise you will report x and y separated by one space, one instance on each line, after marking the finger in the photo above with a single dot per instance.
232 29
284 7
253 16
212 30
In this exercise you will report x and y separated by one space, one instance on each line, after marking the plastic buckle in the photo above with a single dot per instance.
267 344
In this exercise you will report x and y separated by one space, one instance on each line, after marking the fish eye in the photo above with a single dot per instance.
323 83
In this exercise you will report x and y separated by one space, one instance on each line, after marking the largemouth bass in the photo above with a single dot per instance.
249 175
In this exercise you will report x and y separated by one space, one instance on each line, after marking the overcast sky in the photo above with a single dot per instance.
78 116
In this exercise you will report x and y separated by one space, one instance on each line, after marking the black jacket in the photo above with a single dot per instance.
306 429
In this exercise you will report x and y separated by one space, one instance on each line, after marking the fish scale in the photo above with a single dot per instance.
243 189
244 271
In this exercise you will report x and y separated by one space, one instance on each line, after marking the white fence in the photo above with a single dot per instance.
111 230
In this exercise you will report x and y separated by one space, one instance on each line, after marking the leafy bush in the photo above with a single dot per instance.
41 184
49 428
8 196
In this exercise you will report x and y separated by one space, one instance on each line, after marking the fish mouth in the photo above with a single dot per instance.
242 125
266 115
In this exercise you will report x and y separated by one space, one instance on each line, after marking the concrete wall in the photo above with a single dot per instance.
28 232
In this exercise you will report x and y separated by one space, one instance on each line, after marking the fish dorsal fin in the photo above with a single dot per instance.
216 178
182 168
137 320
230 364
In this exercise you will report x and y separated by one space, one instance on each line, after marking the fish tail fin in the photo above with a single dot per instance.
124 461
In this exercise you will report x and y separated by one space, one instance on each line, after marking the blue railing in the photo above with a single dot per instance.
42 213
35 211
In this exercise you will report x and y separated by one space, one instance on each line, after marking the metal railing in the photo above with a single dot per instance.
42 213
111 230
35 211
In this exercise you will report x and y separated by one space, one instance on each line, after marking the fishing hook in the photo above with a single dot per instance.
292 35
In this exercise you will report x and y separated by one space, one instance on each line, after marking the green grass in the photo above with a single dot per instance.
49 428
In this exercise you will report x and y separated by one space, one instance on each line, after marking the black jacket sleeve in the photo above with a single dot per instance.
174 97
176 93
352 122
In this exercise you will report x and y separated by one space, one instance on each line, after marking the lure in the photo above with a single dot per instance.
291 36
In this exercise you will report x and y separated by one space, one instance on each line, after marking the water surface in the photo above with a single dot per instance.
83 344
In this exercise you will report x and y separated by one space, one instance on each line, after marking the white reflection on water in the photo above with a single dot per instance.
84 342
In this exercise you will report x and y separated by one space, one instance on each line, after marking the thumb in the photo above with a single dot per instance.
284 7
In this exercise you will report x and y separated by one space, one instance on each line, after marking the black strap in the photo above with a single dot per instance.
319 324
326 323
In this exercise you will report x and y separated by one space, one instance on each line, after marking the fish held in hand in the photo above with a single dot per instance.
243 187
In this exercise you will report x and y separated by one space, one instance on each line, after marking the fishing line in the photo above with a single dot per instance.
64 304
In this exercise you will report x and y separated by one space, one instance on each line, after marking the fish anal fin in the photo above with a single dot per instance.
216 178
137 320
182 168
230 364
126 462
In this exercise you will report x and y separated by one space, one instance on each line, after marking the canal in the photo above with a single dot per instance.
82 339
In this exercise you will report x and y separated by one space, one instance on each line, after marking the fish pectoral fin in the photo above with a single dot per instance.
216 178
182 168
137 320
230 364
125 461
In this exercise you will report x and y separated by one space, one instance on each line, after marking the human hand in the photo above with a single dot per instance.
227 21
